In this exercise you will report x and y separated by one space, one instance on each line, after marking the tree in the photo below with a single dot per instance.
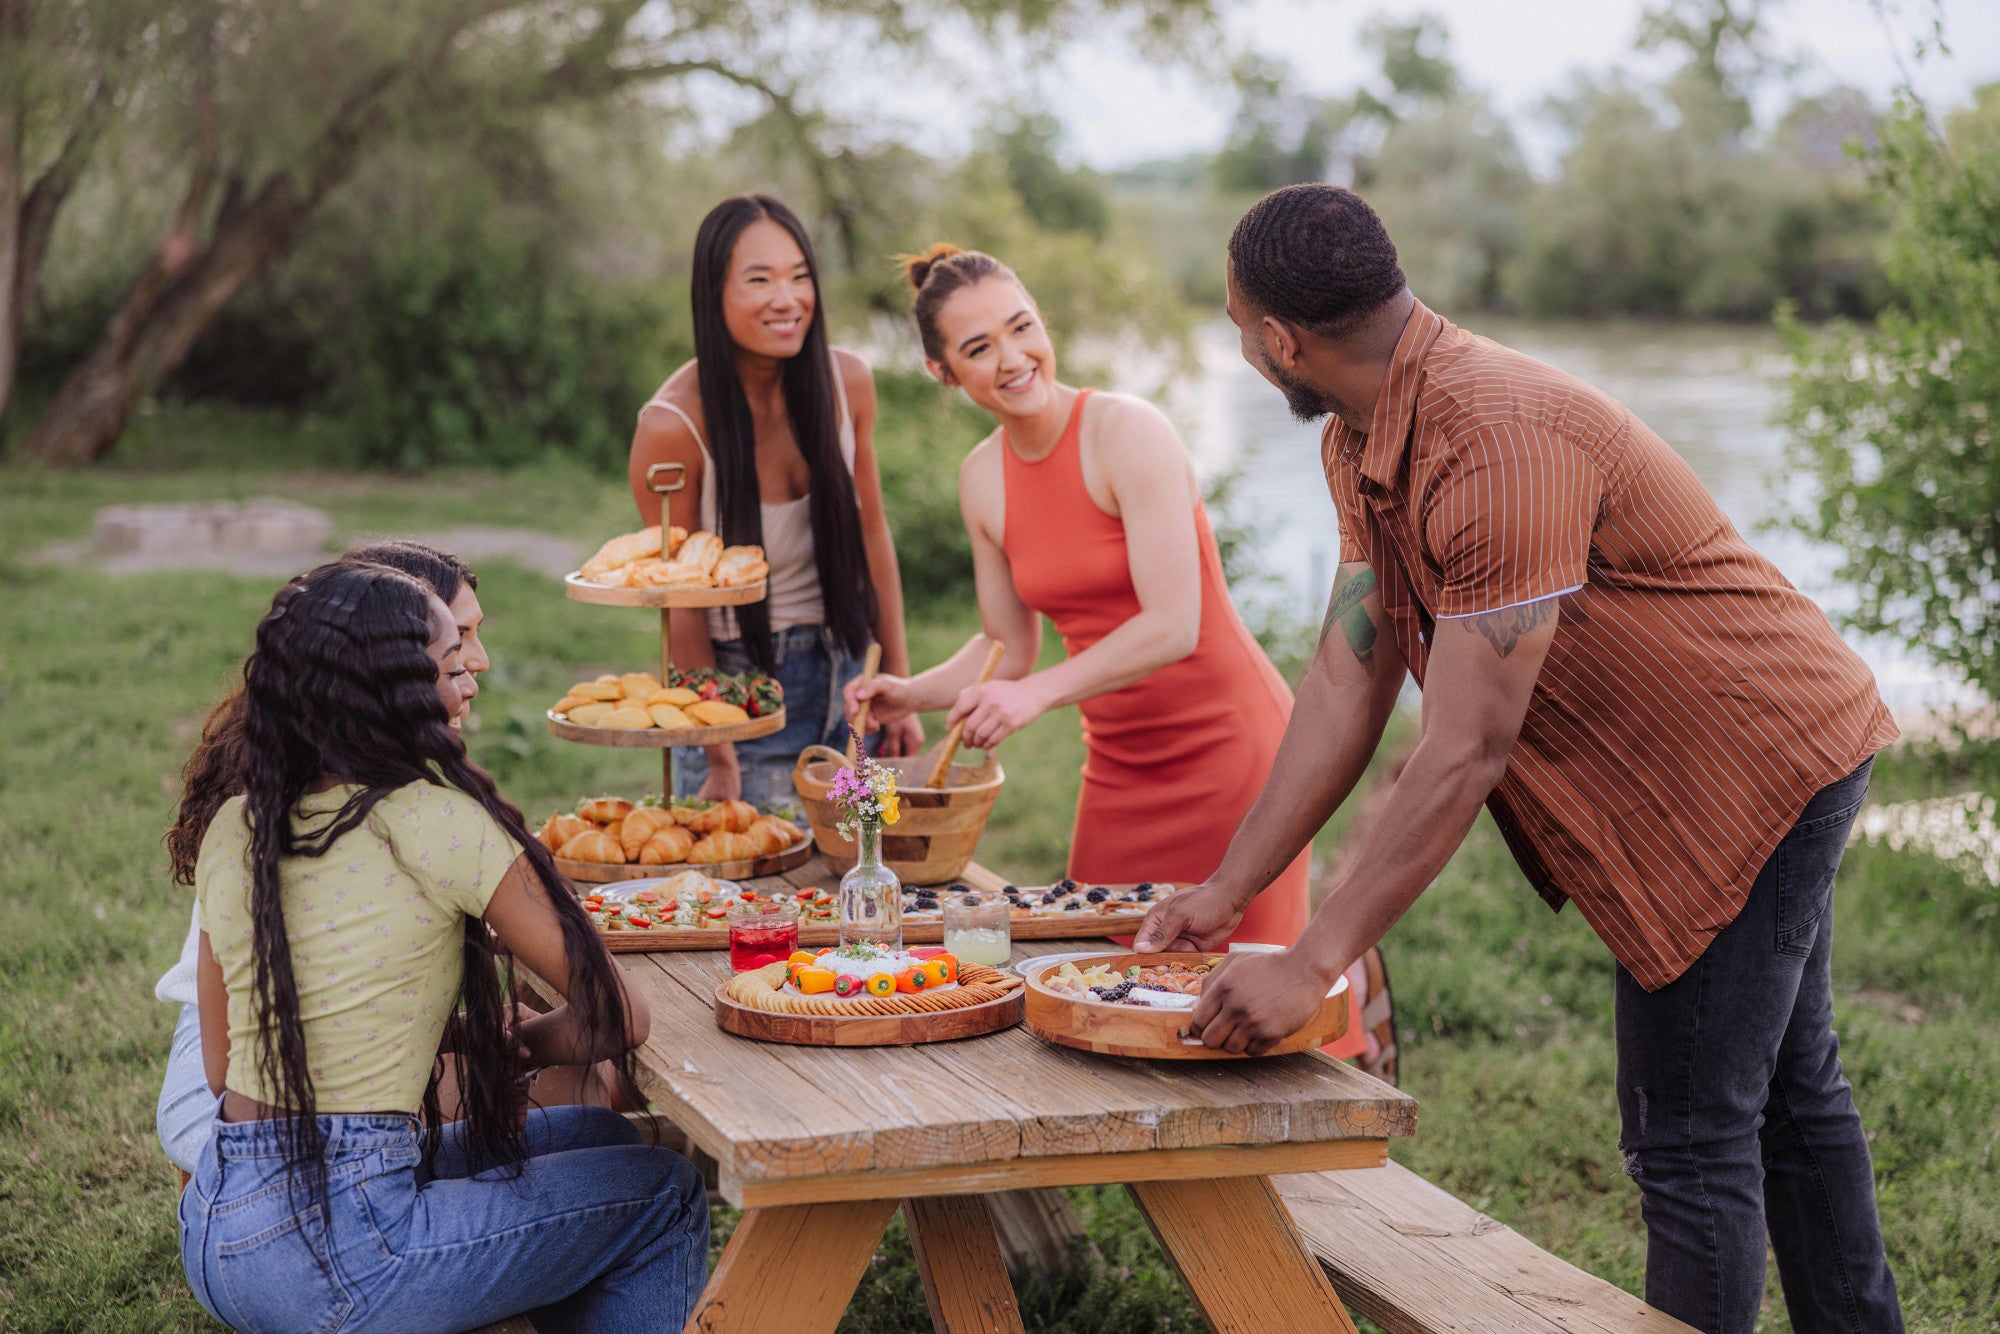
289 97
1900 424
62 71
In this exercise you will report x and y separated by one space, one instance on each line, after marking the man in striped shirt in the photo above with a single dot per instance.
1667 733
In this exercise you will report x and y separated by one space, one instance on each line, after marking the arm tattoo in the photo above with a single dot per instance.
1503 629
1345 609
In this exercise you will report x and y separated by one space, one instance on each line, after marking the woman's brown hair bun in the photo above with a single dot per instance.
939 271
918 267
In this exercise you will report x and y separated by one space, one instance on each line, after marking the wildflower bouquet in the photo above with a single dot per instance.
866 796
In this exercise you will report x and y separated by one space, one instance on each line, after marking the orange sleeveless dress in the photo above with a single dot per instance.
1172 762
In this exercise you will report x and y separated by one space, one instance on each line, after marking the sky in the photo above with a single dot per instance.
1118 109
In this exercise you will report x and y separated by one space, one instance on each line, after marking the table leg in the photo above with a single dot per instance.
958 1257
792 1267
1237 1250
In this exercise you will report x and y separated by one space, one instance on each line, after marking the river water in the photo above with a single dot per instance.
1710 391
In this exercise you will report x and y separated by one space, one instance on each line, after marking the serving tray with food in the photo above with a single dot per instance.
864 995
670 567
609 838
1138 1005
703 707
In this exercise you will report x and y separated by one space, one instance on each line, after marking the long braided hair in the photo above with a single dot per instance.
213 774
341 687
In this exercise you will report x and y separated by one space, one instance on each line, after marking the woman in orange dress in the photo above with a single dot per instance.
1083 507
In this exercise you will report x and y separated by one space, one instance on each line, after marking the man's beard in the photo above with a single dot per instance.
1307 404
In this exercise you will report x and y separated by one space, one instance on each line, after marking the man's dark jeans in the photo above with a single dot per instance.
1736 1116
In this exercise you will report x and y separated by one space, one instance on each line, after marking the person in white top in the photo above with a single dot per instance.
776 432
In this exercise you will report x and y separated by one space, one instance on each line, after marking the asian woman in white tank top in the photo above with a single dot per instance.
776 432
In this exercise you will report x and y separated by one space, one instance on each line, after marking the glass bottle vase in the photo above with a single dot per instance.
871 897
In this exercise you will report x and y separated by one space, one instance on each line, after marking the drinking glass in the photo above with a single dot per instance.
762 932
977 929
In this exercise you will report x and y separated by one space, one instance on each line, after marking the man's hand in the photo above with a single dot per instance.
1251 1002
1198 918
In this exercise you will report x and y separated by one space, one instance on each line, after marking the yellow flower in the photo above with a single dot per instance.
891 809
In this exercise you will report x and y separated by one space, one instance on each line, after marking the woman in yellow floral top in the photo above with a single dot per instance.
358 908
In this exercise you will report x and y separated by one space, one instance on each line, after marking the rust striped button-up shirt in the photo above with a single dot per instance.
1692 702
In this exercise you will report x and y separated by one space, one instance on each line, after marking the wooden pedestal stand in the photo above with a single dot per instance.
663 479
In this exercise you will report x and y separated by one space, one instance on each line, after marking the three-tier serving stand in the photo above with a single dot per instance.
664 479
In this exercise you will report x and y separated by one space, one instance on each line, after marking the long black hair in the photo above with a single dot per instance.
213 772
341 687
846 588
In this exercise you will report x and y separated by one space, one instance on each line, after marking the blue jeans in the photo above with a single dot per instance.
1736 1117
186 1109
598 1232
812 667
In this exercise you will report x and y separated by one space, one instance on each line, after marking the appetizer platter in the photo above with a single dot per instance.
610 839
1138 1005
670 567
699 708
868 996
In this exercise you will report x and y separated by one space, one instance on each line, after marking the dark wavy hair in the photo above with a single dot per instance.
846 588
213 773
340 687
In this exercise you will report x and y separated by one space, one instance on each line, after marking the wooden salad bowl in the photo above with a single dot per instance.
1131 1030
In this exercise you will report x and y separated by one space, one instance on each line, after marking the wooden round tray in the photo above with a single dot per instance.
578 589
1131 1030
654 738
604 873
866 1030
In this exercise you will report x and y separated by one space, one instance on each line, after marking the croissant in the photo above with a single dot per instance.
723 846
593 846
675 536
737 816
622 550
739 566
561 828
701 550
771 835
605 810
640 825
668 845
668 574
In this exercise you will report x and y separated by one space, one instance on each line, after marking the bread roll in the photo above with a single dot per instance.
640 825
722 846
605 810
638 685
715 713
568 702
593 846
622 550
669 574
667 846
561 828
590 715
701 550
739 567
610 692
626 719
668 718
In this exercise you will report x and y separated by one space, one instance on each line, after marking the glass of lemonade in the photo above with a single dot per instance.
977 930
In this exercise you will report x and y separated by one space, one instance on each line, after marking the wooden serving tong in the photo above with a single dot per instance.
942 769
859 727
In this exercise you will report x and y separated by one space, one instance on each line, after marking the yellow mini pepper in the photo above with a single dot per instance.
812 981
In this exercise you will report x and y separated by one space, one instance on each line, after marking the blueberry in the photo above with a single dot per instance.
1072 906
1128 898
1010 890
1065 883
1052 896
1098 895
1143 895
1145 884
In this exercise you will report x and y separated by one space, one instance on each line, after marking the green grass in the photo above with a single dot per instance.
1505 1008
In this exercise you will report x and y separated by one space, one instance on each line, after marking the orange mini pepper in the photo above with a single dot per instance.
947 967
801 957
881 984
912 979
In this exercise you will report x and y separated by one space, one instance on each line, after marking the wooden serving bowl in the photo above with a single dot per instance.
1132 1030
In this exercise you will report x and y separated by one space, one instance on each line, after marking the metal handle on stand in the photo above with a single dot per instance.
655 483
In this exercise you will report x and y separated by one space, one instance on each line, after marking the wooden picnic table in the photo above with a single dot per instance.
820 1145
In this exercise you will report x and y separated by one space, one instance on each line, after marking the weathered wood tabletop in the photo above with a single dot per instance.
820 1144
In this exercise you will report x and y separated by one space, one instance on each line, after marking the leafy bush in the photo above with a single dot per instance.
1897 424
922 434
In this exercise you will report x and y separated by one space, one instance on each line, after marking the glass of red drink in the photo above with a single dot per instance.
761 932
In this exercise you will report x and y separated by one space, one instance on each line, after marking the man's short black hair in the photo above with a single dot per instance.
1315 255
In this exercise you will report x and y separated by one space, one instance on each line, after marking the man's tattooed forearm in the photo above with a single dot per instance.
1345 609
1503 629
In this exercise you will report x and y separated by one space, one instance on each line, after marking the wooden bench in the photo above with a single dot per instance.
1417 1260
